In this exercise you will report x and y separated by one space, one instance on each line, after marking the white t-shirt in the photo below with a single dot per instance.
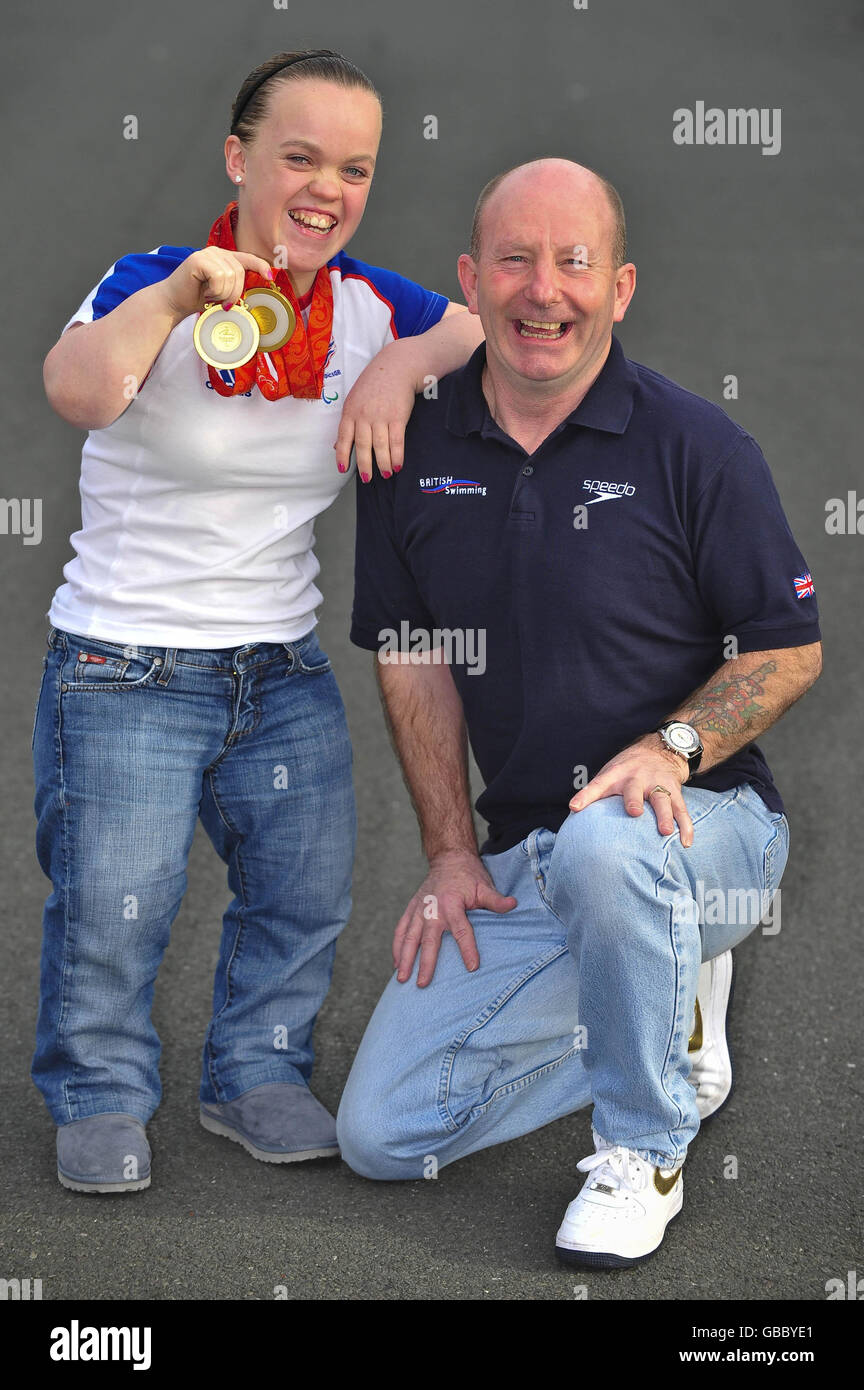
198 509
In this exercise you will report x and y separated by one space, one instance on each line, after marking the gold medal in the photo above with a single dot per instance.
274 315
226 338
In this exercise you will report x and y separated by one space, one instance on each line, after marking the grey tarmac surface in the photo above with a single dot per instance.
747 266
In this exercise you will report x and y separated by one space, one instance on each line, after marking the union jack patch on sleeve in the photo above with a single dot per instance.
804 586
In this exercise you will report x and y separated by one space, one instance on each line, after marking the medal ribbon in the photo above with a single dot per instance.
299 364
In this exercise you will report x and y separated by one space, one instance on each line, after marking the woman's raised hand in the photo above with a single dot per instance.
210 276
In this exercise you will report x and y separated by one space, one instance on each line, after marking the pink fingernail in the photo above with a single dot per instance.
386 475
342 468
367 477
228 305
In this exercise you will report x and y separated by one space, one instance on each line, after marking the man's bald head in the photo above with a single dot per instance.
579 176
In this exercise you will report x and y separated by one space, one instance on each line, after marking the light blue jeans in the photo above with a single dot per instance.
129 751
585 990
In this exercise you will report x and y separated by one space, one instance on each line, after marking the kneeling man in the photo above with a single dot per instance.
603 560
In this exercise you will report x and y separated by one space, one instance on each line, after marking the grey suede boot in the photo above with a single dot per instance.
279 1122
103 1153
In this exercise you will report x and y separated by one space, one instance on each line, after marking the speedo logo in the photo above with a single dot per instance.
453 487
606 492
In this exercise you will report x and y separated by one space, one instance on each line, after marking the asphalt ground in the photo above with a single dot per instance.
747 266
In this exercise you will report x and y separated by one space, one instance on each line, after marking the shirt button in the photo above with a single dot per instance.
527 470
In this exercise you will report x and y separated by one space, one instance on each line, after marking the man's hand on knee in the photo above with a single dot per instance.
640 773
457 882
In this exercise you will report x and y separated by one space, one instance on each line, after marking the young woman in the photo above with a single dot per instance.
183 677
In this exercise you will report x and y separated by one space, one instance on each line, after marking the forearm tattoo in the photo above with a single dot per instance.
729 706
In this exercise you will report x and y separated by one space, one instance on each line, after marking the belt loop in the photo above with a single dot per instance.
168 662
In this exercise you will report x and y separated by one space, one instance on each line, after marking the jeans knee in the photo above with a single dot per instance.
604 835
373 1143
604 858
367 1153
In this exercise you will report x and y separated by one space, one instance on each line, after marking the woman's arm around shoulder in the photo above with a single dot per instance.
379 405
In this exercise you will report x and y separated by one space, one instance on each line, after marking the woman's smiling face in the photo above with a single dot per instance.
306 175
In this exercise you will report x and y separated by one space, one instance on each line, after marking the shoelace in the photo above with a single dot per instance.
616 1167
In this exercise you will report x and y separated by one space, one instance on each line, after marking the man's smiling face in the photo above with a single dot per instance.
545 285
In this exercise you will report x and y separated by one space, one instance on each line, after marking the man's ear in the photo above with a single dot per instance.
624 290
467 273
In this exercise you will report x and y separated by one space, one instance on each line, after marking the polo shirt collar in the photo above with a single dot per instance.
607 405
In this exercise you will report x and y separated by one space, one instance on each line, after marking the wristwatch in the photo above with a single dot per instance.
683 739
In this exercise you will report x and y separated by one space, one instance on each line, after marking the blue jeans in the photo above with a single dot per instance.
128 753
585 991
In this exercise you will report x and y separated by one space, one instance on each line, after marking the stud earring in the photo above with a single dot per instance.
238 178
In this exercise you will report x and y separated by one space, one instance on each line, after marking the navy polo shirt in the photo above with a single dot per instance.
595 583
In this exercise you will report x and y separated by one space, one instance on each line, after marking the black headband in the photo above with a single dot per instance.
316 53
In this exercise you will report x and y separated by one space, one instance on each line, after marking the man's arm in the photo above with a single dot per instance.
746 696
378 406
427 726
740 701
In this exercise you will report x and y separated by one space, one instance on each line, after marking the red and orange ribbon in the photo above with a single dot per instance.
299 364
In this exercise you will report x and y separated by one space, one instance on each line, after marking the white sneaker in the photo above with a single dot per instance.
711 1073
622 1212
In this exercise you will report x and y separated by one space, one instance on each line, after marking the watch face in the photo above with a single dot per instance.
682 738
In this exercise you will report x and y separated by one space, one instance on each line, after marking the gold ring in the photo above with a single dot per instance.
664 790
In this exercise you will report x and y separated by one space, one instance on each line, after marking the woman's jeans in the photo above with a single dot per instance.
585 992
131 745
